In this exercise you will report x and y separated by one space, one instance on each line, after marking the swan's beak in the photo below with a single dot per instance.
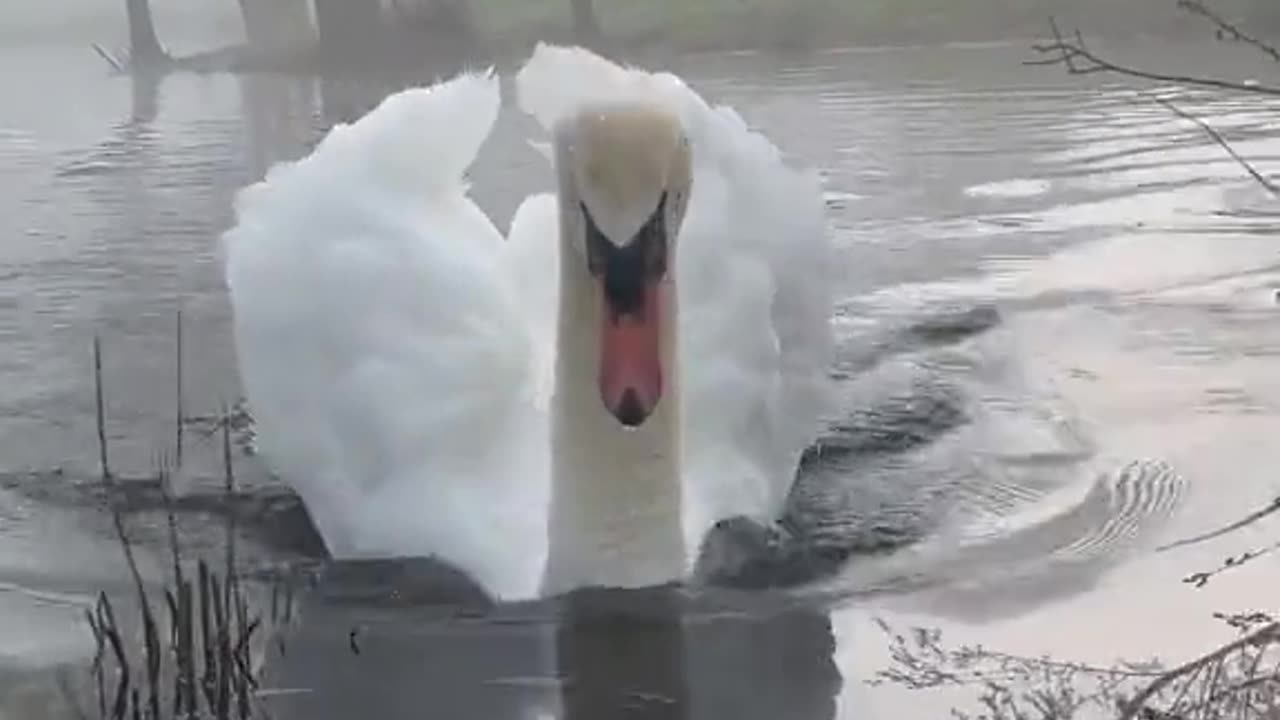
630 358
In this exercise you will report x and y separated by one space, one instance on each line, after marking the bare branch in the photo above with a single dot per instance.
1217 137
1227 30
1237 680
1250 519
1199 579
1076 57
116 65
1267 634
1079 60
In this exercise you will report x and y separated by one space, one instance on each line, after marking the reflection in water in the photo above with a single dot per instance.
344 99
661 654
373 640
279 115
146 97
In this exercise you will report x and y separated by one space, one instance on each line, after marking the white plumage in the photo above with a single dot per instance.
397 351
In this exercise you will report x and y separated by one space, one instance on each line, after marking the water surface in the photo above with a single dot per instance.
1118 399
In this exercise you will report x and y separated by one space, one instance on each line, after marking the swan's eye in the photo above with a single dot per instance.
598 246
652 239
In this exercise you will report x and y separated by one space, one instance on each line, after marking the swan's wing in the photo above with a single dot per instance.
756 310
755 299
533 261
383 346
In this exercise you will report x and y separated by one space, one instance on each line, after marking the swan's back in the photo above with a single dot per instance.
753 276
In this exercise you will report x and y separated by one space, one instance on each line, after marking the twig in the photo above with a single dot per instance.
229 487
100 409
178 422
1199 579
1063 52
182 631
1217 137
1253 682
1265 634
1066 56
1011 687
1226 29
107 621
149 626
1253 517
114 63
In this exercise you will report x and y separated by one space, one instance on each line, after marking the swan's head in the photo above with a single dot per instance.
628 172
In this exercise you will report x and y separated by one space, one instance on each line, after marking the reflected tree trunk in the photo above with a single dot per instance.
586 26
143 44
442 24
278 25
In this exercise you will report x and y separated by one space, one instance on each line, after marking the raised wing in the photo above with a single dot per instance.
383 346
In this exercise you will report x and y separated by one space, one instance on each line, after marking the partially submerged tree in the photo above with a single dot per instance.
145 51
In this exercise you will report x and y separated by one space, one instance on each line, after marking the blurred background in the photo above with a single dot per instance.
688 24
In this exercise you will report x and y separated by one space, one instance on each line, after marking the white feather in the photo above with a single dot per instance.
396 351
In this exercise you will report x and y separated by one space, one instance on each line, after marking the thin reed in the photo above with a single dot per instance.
193 655
194 659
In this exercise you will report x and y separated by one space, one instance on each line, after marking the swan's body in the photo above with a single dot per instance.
433 389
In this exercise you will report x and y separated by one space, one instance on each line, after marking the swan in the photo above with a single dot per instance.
574 404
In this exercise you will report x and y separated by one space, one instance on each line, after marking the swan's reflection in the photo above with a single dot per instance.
661 654
373 639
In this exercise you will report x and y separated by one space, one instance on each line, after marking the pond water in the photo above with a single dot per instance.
1116 395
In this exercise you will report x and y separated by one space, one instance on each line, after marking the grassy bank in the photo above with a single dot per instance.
740 24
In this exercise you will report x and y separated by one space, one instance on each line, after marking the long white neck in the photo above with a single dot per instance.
615 517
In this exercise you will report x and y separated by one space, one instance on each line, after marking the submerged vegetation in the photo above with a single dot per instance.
190 648
194 659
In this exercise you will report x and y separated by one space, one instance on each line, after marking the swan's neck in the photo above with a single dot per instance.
615 516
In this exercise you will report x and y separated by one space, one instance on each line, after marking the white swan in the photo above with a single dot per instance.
575 405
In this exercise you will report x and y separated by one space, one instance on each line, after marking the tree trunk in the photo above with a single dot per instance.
252 28
278 25
586 27
144 45
347 27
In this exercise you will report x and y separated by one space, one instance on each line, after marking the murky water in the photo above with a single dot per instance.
1117 398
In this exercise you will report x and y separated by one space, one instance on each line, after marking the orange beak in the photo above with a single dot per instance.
632 296
630 359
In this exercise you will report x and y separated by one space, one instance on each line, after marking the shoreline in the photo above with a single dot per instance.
500 35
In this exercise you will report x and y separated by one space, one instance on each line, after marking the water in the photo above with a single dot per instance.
1119 401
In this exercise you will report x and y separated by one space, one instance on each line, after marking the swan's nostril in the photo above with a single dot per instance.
629 410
